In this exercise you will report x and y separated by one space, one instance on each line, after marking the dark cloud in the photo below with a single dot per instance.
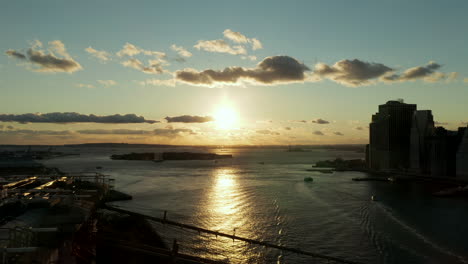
164 132
272 70
419 72
426 73
318 133
352 72
36 132
48 62
189 119
338 133
72 117
267 132
320 121
14 53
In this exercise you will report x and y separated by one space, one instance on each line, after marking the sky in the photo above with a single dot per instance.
222 73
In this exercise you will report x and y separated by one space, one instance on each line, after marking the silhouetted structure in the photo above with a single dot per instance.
422 128
405 139
390 131
443 147
462 157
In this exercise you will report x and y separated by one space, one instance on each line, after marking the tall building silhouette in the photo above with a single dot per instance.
390 132
443 147
421 129
462 157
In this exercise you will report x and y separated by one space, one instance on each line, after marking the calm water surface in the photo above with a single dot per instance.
271 202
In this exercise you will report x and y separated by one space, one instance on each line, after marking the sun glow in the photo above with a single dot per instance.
226 117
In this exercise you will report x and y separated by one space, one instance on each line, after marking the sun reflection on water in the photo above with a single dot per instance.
224 199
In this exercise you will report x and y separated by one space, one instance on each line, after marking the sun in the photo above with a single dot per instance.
226 117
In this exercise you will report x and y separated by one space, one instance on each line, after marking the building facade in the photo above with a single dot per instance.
462 157
390 132
422 129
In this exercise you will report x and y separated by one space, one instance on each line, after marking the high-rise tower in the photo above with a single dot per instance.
390 132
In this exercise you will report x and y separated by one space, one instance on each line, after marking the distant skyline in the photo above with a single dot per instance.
250 72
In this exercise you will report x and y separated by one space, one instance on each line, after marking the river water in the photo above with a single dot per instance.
261 194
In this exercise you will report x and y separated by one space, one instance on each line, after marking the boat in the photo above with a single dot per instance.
308 179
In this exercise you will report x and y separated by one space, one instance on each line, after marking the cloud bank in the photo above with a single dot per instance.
272 70
72 117
189 119
358 73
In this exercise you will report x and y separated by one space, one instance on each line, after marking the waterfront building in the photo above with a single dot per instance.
422 129
443 148
462 156
390 132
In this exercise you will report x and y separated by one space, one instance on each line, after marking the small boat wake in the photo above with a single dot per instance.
444 252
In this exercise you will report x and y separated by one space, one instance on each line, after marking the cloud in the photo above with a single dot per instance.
235 36
465 80
181 51
352 72
358 73
267 132
425 73
318 133
15 54
154 66
83 85
72 117
220 46
189 119
440 123
131 50
320 121
238 37
419 72
102 55
156 82
167 132
10 127
256 44
36 132
250 57
107 83
338 133
288 128
270 71
48 62
359 128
